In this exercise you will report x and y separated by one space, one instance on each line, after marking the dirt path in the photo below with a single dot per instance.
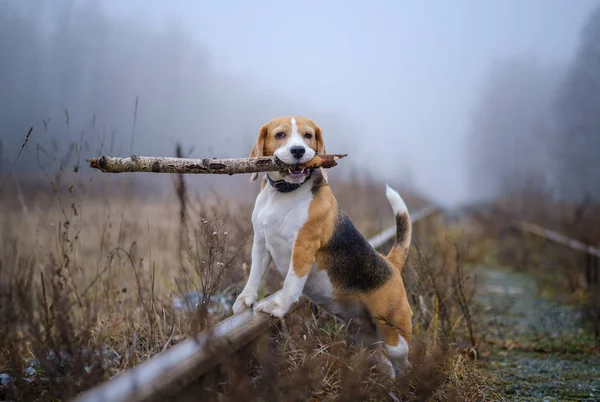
541 352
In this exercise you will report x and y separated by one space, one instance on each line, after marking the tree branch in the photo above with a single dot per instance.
159 164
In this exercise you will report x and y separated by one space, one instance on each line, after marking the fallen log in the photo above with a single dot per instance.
157 164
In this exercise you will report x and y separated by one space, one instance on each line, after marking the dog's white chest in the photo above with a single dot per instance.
278 217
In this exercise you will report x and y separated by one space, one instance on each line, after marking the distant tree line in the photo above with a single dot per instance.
539 126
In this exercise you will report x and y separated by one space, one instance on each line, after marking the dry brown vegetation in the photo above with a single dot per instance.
313 356
91 271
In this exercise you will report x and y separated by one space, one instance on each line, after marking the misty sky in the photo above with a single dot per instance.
407 72
404 75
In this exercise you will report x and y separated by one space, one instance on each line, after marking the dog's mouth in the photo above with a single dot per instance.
292 171
295 173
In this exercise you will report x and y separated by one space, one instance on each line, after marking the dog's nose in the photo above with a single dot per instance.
297 151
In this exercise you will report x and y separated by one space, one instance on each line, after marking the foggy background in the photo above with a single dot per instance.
464 99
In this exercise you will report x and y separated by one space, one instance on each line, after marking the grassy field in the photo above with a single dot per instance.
96 274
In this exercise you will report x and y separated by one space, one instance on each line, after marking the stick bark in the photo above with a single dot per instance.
232 166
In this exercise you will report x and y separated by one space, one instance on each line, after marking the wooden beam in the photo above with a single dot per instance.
184 362
189 360
555 237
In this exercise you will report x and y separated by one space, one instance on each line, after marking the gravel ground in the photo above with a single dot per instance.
543 355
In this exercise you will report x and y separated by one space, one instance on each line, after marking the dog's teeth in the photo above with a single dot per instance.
302 172
290 170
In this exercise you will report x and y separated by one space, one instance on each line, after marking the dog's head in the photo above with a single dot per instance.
293 140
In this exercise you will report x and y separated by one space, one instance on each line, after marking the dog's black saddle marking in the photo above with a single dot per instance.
352 263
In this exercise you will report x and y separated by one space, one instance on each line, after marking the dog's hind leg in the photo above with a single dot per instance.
392 315
396 347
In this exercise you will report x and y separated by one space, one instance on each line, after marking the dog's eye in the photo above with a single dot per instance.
280 135
308 135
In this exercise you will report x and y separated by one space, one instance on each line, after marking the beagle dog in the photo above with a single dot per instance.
299 225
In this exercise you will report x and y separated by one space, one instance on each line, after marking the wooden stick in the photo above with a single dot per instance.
154 164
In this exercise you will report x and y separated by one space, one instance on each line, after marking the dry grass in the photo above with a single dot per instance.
105 281
313 356
90 271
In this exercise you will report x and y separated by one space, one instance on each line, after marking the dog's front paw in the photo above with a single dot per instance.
244 300
273 307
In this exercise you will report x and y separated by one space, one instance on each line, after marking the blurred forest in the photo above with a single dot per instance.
539 126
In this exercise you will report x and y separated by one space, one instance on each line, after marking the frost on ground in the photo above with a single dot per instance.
539 347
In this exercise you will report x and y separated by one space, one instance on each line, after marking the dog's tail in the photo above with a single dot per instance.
399 252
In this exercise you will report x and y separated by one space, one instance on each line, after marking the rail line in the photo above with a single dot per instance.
591 253
555 237
187 361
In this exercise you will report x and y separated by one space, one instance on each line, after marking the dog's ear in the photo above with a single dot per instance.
320 148
320 143
258 149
